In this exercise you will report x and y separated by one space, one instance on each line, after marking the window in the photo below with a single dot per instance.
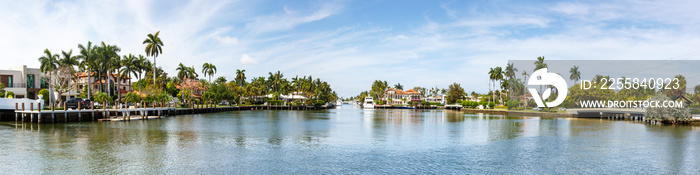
30 80
44 83
9 81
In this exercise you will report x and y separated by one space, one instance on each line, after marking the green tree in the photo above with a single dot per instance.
455 92
220 80
495 74
678 90
142 65
68 62
398 86
539 64
575 74
49 63
108 59
44 93
154 47
240 77
87 62
378 89
209 70
129 66
102 97
132 97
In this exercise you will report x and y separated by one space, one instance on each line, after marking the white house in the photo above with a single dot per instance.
24 82
394 96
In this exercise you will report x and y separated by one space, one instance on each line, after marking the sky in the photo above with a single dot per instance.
352 43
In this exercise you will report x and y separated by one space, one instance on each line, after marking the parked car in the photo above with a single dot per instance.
73 103
224 103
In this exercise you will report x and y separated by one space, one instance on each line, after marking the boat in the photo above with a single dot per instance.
404 107
369 103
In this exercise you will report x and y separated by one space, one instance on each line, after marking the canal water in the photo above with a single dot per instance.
350 141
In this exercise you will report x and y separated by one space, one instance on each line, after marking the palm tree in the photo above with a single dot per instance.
498 77
575 74
142 65
87 63
208 69
108 58
182 71
129 67
240 77
68 61
510 73
154 47
49 63
492 77
277 79
398 86
525 79
539 64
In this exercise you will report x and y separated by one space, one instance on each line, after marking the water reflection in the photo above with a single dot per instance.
350 140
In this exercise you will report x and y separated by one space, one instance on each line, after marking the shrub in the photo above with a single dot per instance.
45 95
512 104
132 97
10 94
101 97
670 115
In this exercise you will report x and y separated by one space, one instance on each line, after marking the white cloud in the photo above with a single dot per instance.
227 40
245 59
398 37
571 8
291 19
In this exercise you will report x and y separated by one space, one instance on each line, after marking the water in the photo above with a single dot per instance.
348 141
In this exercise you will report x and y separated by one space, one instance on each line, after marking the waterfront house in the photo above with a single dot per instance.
122 86
192 85
399 97
24 82
436 99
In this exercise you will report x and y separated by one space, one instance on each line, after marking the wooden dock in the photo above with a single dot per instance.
127 114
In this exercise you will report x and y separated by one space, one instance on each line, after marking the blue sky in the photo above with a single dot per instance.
352 43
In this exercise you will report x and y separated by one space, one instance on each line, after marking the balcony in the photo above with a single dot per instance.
17 85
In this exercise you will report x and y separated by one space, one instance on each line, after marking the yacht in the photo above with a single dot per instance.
369 103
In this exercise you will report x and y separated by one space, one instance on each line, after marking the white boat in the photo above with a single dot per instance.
369 103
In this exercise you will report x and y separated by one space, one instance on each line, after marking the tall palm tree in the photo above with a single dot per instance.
510 74
49 63
539 64
492 77
276 80
129 67
240 77
68 61
182 71
142 65
208 69
575 74
525 80
87 63
154 47
108 58
498 77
